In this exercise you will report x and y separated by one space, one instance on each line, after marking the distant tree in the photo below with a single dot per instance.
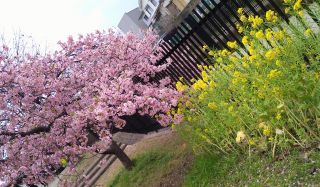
19 45
51 105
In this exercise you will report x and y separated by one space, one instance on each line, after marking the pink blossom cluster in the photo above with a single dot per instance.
50 105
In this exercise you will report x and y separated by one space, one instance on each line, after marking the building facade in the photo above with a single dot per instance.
133 22
162 15
158 15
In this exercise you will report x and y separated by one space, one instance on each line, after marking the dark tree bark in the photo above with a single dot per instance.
121 155
112 149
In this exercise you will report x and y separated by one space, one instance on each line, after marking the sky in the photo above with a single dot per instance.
49 21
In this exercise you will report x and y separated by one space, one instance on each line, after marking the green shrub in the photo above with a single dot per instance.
264 97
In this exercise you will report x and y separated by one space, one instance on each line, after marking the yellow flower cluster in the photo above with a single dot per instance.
181 87
212 105
271 16
256 21
271 54
232 45
259 34
235 103
274 73
200 84
295 5
245 40
308 32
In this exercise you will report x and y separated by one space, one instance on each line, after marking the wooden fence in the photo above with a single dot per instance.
212 23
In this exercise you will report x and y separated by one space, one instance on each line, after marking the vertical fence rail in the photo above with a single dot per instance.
212 23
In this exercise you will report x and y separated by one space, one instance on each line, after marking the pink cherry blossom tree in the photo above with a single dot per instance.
51 105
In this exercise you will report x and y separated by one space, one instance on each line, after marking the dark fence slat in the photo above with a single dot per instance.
212 23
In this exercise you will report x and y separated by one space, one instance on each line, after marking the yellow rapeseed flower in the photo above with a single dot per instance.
245 65
270 139
259 34
63 162
252 50
233 59
271 16
230 109
200 84
212 84
212 106
274 73
173 112
266 131
252 33
270 54
287 10
279 35
252 58
205 47
204 76
317 75
308 32
224 53
189 104
245 40
189 119
300 13
239 28
278 116
243 18
219 60
181 87
237 74
202 96
287 1
211 53
297 5
269 35
252 142
232 45
240 11
256 21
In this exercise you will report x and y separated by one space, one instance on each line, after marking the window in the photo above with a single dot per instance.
145 17
154 2
149 9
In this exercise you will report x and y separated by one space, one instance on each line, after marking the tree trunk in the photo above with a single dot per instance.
112 149
121 155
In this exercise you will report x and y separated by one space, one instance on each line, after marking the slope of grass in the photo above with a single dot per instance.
295 169
147 166
163 165
171 164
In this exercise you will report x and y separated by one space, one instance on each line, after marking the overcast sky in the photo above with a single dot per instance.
49 21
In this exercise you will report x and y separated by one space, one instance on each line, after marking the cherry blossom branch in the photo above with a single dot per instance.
36 130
